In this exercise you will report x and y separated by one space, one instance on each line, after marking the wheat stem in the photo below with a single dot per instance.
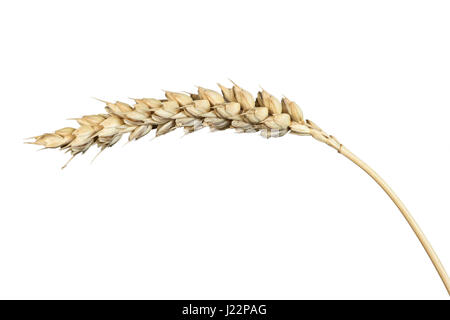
412 223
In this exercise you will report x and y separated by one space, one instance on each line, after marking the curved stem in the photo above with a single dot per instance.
412 223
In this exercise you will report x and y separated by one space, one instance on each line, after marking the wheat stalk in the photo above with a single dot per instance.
234 108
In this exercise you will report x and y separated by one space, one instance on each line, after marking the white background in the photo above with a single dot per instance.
225 215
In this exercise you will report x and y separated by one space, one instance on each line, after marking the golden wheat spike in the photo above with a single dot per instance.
233 108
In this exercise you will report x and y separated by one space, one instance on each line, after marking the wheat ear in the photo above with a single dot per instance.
233 108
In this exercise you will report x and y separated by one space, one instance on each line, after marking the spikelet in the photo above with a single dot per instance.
244 97
292 109
212 96
270 102
228 93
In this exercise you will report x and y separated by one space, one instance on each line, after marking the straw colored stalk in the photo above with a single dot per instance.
233 108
